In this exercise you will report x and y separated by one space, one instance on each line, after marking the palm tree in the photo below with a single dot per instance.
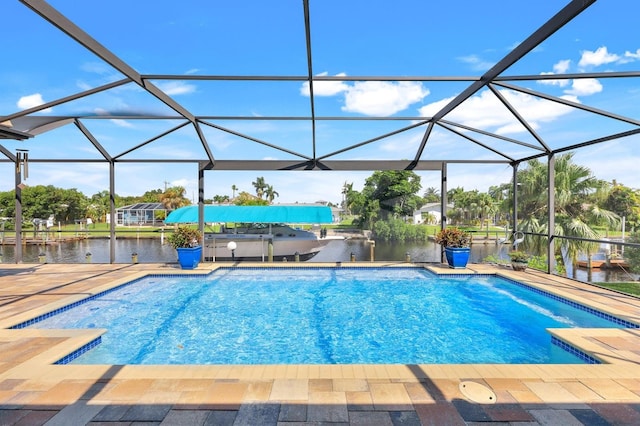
174 197
486 207
347 188
575 209
431 195
234 188
270 193
260 186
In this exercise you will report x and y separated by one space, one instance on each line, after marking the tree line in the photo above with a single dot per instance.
585 206
69 205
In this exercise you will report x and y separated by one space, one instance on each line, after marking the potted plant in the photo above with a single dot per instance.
519 260
457 246
186 241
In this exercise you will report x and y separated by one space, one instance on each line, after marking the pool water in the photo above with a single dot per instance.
324 316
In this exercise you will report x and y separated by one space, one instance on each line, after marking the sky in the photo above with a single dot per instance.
349 38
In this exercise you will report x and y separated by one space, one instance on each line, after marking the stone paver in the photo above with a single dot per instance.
32 391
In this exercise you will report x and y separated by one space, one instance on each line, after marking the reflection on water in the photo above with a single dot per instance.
153 251
148 250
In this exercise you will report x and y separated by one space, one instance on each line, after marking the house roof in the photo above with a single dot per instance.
143 206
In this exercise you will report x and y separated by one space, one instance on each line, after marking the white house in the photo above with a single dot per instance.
430 209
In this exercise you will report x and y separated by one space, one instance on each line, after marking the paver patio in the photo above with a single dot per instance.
33 391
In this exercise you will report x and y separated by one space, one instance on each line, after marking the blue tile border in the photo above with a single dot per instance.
83 349
574 351
604 315
65 308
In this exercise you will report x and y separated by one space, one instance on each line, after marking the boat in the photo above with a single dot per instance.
265 232
260 242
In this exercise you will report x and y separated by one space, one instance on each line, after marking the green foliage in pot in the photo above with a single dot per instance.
453 237
184 236
519 256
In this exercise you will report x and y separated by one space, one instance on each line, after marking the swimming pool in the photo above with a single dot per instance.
324 316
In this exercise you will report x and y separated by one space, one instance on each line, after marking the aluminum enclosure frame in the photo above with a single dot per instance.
26 124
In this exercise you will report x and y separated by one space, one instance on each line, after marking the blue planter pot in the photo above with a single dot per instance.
189 257
457 257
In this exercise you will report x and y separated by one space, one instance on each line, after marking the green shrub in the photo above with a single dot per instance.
184 236
453 237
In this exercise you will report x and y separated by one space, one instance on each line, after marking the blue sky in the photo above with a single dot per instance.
350 38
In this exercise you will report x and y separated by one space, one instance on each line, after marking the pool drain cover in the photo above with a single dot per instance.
477 393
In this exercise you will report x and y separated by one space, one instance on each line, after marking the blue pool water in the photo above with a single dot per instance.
324 316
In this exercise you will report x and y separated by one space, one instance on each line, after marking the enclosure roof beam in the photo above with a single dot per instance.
570 11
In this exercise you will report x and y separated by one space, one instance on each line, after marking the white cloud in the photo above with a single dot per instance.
173 88
383 98
632 55
485 111
82 85
598 57
370 97
562 66
122 123
554 82
96 68
31 101
584 87
325 88
476 62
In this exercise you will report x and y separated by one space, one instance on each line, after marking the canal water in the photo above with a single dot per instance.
152 250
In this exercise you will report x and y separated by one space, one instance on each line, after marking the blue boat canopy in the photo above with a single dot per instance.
253 214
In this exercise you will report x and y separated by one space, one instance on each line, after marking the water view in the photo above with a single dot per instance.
153 250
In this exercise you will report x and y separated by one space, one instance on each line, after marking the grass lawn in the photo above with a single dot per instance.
625 287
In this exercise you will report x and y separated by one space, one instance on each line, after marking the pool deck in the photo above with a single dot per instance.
33 391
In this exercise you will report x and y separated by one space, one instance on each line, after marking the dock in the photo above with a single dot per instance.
603 264
11 241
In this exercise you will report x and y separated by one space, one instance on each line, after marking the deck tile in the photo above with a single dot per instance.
292 412
36 417
589 417
581 391
555 417
555 394
221 418
252 414
320 385
359 401
391 396
327 407
418 393
368 418
258 391
404 418
289 390
507 412
111 413
621 414
610 389
439 414
146 413
471 412
354 385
